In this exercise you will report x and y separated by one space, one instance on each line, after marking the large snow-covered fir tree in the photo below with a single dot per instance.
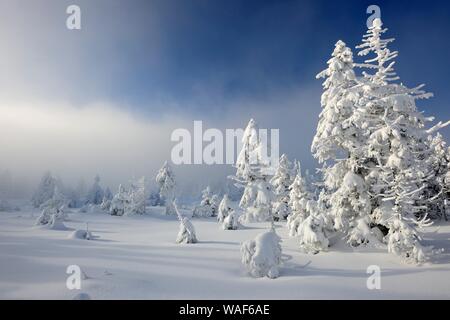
256 201
335 131
396 148
377 174
338 143
166 182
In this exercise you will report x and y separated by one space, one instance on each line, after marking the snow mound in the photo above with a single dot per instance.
262 256
81 234
56 223
231 221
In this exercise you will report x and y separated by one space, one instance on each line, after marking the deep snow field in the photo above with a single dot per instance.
137 258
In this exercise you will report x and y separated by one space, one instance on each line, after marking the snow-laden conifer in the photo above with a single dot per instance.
281 182
166 182
224 208
251 173
186 233
207 206
137 198
119 202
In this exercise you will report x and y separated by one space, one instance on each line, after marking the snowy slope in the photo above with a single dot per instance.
137 258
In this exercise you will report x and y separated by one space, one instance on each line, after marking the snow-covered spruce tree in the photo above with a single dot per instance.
136 198
313 232
224 208
95 193
335 132
351 207
205 208
308 221
227 215
281 182
119 202
44 191
438 187
262 256
106 204
257 198
248 155
396 150
186 234
338 144
166 181
107 198
300 198
215 202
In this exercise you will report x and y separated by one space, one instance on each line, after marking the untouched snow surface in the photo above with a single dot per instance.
137 258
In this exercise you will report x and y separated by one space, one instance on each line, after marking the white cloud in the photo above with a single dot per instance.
76 142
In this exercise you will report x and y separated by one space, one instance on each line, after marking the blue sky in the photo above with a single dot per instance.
210 60
203 52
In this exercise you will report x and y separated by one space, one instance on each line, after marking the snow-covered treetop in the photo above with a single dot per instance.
335 133
248 156
383 61
340 66
284 175
166 180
